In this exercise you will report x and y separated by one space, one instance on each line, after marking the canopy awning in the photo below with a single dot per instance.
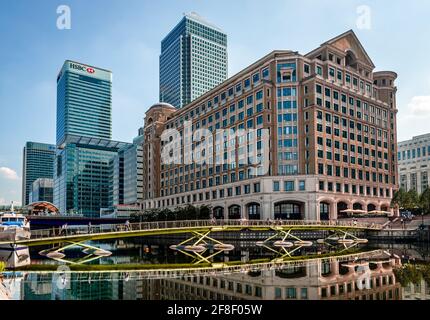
379 212
357 211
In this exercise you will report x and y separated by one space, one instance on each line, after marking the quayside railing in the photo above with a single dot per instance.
184 224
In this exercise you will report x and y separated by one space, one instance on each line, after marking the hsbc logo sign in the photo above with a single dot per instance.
81 68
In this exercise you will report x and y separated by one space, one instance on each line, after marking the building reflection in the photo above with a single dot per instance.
328 279
371 280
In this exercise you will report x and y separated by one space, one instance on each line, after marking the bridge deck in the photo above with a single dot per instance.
78 234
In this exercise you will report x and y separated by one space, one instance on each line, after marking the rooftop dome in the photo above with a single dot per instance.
162 104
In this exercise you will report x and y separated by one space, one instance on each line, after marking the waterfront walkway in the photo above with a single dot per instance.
79 234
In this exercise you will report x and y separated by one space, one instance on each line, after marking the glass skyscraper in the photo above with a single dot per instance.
82 179
84 149
84 101
38 162
193 60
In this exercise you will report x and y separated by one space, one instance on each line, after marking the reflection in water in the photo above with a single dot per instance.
371 275
14 256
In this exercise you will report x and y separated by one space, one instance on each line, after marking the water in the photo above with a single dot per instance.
371 272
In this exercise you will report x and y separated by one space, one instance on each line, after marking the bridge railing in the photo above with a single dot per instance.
157 225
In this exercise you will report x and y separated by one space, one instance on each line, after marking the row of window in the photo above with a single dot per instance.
413 153
288 186
351 173
204 196
353 189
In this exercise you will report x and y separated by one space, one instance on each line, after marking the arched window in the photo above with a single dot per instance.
253 210
218 213
288 210
324 211
234 212
357 206
371 207
350 59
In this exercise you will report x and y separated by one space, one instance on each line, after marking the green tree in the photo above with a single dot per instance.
412 200
425 201
406 200
399 199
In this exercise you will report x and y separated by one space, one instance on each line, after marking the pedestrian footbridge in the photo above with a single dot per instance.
200 229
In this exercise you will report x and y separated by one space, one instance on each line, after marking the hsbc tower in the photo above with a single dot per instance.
84 146
84 101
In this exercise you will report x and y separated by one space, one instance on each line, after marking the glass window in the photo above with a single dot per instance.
289 185
290 293
302 185
304 293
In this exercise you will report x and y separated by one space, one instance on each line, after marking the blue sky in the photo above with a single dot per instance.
124 36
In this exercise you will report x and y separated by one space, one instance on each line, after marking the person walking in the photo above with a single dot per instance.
89 227
127 225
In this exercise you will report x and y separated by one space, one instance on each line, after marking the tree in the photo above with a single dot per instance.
399 199
406 200
412 200
424 201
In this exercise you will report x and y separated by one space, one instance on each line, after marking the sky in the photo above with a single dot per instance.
124 36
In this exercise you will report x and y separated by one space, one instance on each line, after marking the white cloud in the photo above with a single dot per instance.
413 120
419 106
8 173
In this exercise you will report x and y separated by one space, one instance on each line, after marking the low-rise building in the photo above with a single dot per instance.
414 163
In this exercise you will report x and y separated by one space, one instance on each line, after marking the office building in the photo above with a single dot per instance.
42 190
324 133
127 175
414 163
82 177
84 150
38 162
193 60
84 101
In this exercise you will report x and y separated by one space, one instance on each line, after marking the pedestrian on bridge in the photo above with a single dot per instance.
64 229
127 225
89 227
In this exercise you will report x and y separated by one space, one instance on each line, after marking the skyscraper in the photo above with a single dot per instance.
84 101
193 60
84 129
38 162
